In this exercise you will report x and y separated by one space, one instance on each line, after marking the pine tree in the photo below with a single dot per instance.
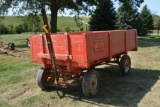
129 18
147 19
104 16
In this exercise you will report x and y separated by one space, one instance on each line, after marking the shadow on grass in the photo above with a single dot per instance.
117 90
149 41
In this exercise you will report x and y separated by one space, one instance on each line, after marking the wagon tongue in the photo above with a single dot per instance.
49 43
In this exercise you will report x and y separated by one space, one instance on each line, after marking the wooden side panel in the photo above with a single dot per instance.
131 39
36 47
117 42
97 45
60 44
83 49
77 50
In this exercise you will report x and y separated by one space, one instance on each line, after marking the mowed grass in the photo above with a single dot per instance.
15 71
151 38
156 18
18 87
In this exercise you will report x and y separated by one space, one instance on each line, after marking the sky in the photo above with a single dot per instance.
153 5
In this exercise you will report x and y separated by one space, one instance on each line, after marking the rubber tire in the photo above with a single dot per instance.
11 46
86 83
122 65
40 75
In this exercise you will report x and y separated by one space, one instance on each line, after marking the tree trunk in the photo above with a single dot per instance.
53 22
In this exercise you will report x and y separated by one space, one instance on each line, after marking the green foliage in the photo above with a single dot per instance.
54 6
62 23
147 19
11 29
1 18
67 28
104 17
32 6
19 29
4 104
28 23
128 17
79 24
136 3
158 26
81 28
155 20
6 29
3 29
32 23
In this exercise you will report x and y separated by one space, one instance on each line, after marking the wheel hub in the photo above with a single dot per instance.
93 84
127 66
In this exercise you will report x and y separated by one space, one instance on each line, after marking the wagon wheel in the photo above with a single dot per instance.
125 64
45 78
90 83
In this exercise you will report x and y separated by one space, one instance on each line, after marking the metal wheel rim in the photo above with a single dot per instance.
127 65
93 84
46 77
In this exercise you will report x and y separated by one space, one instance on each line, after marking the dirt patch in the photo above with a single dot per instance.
19 92
23 92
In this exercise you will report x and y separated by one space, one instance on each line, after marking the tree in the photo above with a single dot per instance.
134 2
158 26
147 19
53 5
128 17
79 24
104 16
32 23
24 6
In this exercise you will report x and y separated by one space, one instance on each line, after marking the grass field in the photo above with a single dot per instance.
18 87
61 24
156 18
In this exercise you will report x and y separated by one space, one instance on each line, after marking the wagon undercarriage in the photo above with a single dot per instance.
87 79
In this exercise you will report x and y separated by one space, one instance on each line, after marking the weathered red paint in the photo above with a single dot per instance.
82 50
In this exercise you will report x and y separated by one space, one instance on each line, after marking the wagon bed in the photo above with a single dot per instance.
83 49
